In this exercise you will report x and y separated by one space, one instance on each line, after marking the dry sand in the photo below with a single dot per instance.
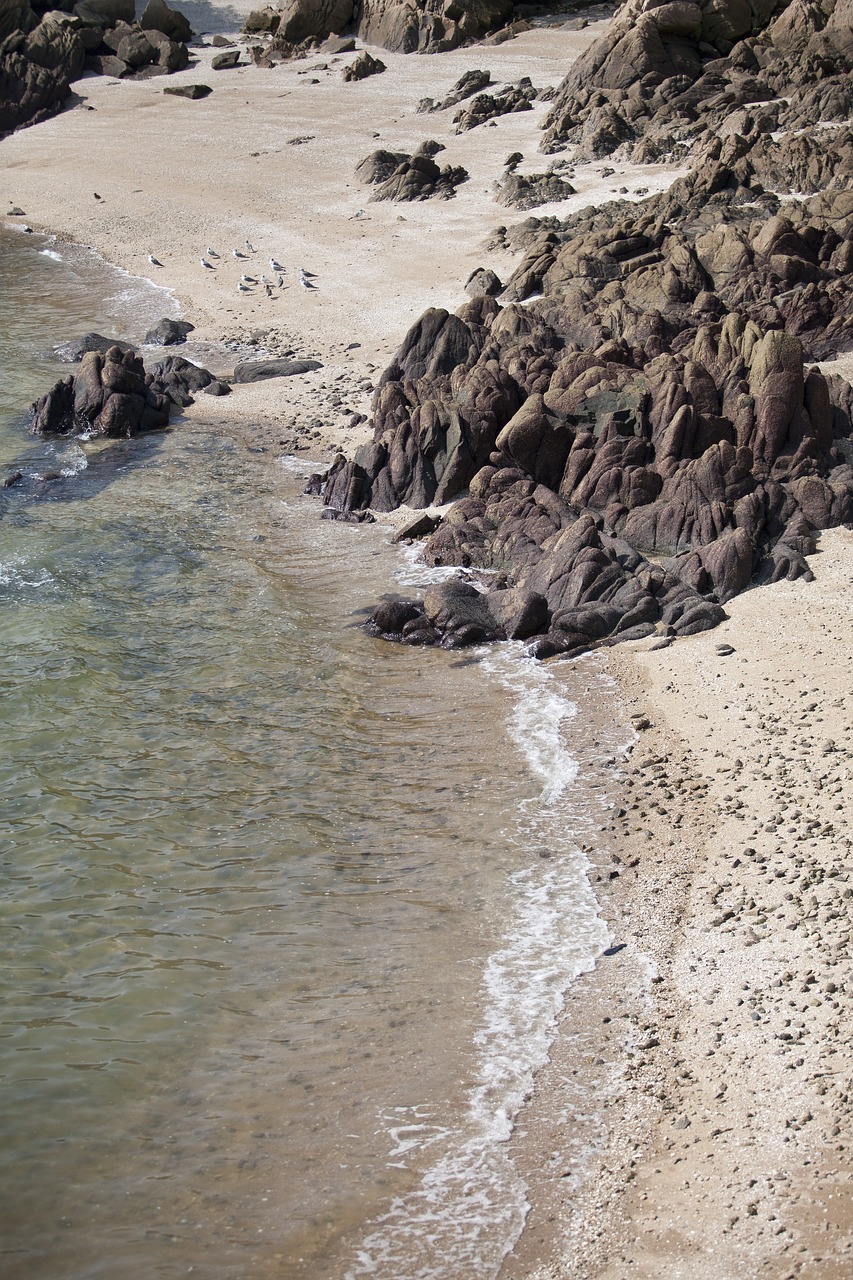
724 1132
706 1066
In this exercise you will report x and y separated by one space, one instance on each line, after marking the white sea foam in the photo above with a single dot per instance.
413 572
470 1205
20 576
52 254
74 461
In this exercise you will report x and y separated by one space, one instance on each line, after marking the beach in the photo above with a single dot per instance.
703 1069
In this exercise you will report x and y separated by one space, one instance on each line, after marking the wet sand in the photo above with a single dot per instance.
705 1065
720 1091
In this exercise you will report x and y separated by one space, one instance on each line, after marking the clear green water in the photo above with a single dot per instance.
279 951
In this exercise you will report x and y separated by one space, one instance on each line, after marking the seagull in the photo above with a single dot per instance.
211 253
250 247
204 262
306 284
359 213
265 279
154 262
308 275
281 282
275 265
243 288
248 279
238 254
268 290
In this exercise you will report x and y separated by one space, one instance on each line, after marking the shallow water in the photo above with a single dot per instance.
288 912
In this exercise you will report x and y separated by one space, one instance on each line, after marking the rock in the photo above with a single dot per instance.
136 50
649 433
483 283
460 614
191 91
110 396
168 333
172 55
39 60
217 388
391 617
106 13
258 370
108 65
158 16
266 19
226 60
338 45
442 24
468 84
176 379
418 527
526 191
72 351
487 106
364 65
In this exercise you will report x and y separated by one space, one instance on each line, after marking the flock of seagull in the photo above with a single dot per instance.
248 283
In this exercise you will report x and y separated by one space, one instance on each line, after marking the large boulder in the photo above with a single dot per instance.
38 63
158 16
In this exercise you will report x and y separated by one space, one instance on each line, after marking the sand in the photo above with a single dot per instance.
725 1131
695 1119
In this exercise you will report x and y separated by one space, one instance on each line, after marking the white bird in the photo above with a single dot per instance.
309 275
204 262
250 247
238 254
248 279
280 282
211 253
275 266
306 284
265 279
154 262
243 288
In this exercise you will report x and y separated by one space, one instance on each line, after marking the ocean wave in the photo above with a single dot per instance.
52 254
470 1206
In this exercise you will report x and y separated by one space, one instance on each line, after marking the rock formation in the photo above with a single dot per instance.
400 176
404 26
636 430
112 395
40 57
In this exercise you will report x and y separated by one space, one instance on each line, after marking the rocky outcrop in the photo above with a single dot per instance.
646 435
363 66
431 25
404 26
673 75
112 395
466 86
487 106
527 191
399 176
39 60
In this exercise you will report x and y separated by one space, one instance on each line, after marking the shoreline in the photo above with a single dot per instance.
661 1199
728 1137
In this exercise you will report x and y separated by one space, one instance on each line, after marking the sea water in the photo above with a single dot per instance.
288 912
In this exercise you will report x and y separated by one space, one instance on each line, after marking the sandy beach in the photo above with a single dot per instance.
726 1134
704 1069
